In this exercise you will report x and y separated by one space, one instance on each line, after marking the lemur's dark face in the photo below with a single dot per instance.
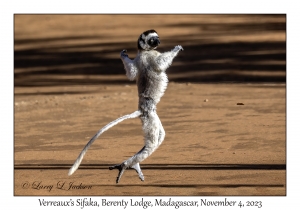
149 40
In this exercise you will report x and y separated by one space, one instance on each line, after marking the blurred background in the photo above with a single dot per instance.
55 50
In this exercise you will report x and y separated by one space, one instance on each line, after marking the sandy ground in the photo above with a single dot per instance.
69 83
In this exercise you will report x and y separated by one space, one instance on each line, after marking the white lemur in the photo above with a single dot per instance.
148 69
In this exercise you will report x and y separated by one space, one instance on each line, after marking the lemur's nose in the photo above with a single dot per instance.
156 41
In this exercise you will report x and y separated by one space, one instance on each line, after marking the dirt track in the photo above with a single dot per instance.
69 82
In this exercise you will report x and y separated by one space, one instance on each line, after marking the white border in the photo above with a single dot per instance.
153 6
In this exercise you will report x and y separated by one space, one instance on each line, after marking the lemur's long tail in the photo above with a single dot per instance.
105 128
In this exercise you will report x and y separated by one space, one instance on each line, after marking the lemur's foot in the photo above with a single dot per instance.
121 167
137 168
124 53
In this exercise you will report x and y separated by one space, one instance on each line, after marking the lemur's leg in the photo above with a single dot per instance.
154 135
160 140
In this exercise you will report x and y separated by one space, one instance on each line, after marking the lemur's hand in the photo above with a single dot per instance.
123 53
179 48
